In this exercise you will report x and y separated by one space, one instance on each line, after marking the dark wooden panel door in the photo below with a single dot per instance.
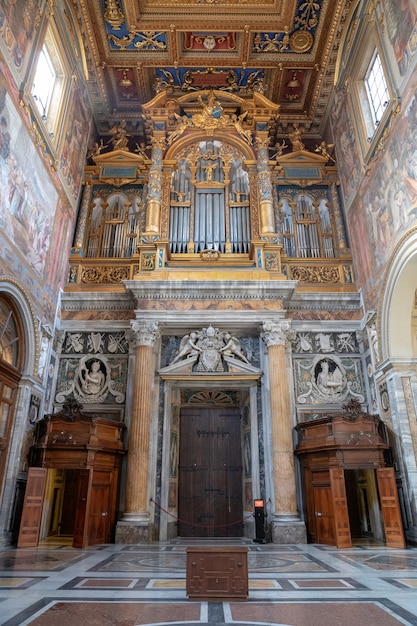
390 506
210 473
323 515
340 508
100 505
32 508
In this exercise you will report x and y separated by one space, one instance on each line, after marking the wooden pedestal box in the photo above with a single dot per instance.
217 573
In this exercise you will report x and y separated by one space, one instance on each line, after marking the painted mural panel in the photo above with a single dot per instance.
27 196
401 19
386 205
75 143
17 28
348 160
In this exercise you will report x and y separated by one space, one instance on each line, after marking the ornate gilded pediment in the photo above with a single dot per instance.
120 167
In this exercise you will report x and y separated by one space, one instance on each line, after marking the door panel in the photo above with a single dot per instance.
391 514
80 531
98 516
340 508
210 473
323 514
32 508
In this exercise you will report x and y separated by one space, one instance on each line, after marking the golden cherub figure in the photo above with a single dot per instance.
323 148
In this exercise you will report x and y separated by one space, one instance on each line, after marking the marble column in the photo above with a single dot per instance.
153 211
286 524
134 527
266 208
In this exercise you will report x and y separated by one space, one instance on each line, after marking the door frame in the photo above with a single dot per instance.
387 497
206 459
173 388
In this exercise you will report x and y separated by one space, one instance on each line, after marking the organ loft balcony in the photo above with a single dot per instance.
208 199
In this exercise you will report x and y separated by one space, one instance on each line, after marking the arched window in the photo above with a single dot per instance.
9 333
209 200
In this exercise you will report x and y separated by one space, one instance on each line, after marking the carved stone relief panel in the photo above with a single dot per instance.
312 342
93 368
208 347
328 379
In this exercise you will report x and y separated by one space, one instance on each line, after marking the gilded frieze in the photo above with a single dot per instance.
315 274
101 274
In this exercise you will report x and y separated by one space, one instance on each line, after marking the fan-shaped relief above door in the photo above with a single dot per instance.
210 350
211 397
210 200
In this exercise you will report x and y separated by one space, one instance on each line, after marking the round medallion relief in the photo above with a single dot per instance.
301 41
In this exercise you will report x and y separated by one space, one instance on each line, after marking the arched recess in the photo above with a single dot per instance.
18 357
397 300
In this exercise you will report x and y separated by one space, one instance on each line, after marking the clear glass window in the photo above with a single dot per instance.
50 84
44 83
376 89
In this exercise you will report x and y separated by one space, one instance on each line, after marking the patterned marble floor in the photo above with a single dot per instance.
137 585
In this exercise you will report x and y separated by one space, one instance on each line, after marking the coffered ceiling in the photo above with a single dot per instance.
285 49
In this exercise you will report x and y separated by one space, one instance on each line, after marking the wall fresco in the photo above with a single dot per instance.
386 205
75 143
400 18
17 27
27 196
348 161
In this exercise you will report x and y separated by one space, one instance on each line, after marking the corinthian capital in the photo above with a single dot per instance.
276 333
146 333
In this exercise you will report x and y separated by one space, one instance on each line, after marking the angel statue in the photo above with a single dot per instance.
119 139
323 148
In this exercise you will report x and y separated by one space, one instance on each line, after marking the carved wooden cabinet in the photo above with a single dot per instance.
334 448
217 573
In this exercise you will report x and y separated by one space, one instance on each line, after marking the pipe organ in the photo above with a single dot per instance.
307 225
209 200
113 226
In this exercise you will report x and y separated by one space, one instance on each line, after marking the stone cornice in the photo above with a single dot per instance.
210 290
96 301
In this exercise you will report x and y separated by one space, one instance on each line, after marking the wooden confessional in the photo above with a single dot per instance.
347 479
73 479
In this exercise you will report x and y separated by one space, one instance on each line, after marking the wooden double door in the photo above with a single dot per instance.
87 512
210 502
329 509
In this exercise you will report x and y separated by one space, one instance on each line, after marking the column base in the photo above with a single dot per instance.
133 531
287 529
